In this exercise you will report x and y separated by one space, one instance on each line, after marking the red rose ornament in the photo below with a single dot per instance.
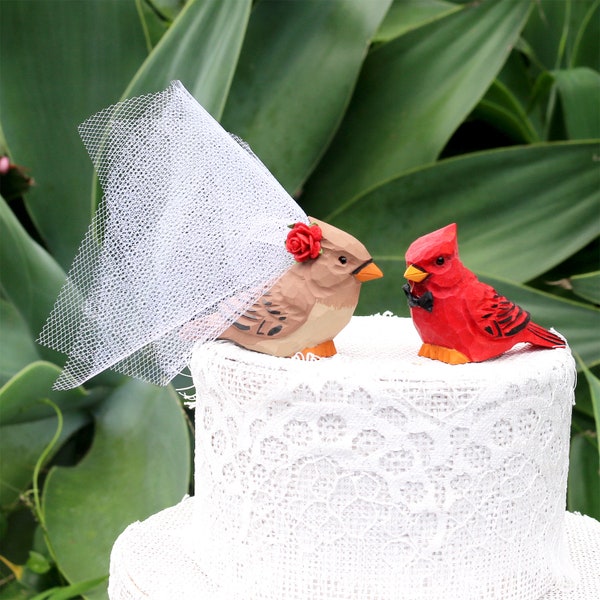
304 241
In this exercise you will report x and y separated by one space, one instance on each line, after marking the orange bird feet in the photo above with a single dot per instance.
447 355
322 350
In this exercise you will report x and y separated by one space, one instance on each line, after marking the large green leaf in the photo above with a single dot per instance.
60 62
579 90
200 49
594 384
583 491
583 408
21 397
29 278
22 444
412 94
405 15
500 199
14 334
139 464
298 66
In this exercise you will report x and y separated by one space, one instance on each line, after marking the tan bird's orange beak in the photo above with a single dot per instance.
368 272
415 274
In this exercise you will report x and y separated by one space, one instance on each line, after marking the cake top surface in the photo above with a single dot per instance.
385 348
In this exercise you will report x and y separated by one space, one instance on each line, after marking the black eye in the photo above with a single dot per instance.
343 260
439 260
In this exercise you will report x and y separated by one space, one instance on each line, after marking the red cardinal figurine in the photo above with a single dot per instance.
459 318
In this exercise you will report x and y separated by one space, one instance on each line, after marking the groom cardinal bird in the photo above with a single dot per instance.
459 318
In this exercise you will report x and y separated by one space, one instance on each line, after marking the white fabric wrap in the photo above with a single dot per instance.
379 474
192 226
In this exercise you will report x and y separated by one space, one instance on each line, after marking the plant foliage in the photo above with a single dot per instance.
387 118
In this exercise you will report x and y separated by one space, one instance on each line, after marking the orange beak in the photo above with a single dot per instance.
368 272
415 274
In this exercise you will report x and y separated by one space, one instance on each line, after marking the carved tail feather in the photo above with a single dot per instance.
543 337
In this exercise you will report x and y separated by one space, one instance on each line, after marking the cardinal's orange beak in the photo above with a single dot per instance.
415 274
368 272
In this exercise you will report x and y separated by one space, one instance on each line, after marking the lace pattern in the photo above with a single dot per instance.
377 473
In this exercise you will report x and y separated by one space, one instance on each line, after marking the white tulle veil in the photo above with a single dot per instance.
191 228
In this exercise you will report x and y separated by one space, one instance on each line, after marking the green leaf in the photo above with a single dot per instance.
587 286
17 535
554 29
299 64
154 23
14 334
157 16
38 563
405 15
583 489
517 77
71 591
513 92
59 63
21 397
200 49
583 408
29 278
586 46
545 31
581 422
20 447
501 108
412 94
138 465
579 91
519 210
594 384
14 591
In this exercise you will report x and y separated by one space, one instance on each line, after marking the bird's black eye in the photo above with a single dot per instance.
439 260
343 260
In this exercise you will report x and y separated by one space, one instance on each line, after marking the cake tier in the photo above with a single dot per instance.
377 474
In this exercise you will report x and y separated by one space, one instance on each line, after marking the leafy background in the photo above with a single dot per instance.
387 118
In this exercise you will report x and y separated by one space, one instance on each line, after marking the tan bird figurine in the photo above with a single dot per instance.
314 300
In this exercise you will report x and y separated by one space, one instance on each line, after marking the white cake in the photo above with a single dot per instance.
378 474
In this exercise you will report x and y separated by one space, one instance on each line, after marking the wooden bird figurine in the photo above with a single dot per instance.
314 300
459 318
